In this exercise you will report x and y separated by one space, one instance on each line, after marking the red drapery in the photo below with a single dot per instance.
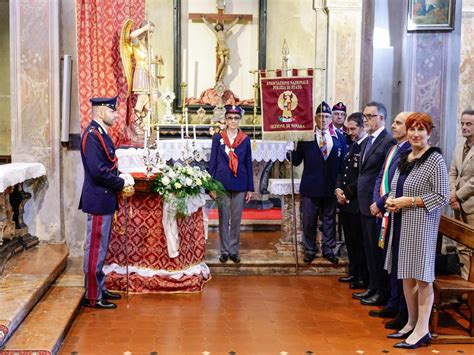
100 74
147 247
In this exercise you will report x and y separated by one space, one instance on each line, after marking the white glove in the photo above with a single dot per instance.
290 146
129 181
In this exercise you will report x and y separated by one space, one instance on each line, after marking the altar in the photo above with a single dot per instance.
151 269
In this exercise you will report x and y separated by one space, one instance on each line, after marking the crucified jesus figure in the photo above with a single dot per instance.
222 50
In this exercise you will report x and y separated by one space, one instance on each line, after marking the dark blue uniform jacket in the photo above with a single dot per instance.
319 175
219 165
101 183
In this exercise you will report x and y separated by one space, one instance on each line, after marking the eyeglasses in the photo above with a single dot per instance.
369 116
233 118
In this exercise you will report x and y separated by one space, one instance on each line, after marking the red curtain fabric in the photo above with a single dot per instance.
100 74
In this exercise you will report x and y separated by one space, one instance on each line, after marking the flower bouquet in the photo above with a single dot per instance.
183 187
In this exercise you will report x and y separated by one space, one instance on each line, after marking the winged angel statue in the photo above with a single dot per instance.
142 81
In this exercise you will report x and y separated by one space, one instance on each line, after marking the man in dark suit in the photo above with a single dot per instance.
99 198
346 194
396 305
374 150
323 159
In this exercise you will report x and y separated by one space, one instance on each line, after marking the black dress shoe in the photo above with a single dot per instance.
102 304
110 296
358 285
308 258
375 300
398 335
223 258
398 322
360 295
422 342
235 258
348 279
385 312
331 258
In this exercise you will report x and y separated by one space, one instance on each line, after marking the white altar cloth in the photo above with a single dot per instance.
15 173
283 186
131 159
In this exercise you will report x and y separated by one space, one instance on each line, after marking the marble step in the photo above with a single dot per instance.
45 328
26 278
268 262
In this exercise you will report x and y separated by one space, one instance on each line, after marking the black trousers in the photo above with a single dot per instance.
378 277
355 246
313 208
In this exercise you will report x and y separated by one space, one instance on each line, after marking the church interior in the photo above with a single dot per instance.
176 78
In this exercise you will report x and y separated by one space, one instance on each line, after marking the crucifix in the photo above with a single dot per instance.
220 31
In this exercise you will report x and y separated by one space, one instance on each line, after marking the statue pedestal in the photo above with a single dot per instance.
286 244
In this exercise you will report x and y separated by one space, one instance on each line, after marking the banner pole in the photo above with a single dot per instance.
126 247
293 210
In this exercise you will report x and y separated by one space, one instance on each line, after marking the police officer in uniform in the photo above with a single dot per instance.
346 194
99 198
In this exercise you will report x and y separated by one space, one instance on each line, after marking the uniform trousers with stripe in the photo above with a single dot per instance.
99 228
311 209
230 208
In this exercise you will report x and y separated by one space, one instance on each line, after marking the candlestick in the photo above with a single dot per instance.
194 131
186 122
157 136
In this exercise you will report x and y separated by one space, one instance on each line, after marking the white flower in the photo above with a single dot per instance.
177 185
172 174
165 181
190 170
198 182
189 181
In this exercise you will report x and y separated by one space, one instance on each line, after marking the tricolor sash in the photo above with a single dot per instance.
385 189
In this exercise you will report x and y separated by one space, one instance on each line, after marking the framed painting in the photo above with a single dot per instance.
195 61
430 15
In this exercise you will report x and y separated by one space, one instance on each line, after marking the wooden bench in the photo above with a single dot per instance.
447 287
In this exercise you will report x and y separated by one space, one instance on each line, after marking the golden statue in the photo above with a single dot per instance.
222 50
142 82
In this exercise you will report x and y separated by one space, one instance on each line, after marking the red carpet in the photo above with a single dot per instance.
273 214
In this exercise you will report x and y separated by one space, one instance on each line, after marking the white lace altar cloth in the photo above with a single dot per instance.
283 186
199 269
131 159
15 173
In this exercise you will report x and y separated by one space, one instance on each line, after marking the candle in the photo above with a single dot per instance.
186 122
194 131
157 136
182 132
185 74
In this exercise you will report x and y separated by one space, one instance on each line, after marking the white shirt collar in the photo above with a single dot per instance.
100 124
360 140
402 143
377 133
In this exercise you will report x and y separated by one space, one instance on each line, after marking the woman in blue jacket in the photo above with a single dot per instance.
231 164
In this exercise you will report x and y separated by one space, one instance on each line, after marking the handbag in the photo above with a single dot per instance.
447 264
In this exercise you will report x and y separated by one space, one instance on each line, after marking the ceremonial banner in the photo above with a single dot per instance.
287 108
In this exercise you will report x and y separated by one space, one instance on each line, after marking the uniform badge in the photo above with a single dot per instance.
100 130
339 152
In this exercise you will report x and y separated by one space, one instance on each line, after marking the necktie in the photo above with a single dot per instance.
368 145
323 145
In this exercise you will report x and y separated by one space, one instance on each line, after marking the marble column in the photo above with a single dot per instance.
35 106
431 79
344 56
466 75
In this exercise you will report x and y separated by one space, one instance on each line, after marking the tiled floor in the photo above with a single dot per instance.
246 314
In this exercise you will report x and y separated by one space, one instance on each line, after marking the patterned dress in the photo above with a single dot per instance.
428 179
